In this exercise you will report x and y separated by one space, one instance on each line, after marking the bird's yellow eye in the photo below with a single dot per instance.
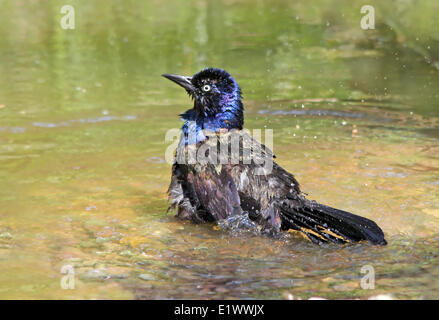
206 88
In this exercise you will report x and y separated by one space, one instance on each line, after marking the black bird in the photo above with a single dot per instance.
242 186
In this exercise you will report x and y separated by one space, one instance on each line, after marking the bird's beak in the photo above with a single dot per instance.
183 81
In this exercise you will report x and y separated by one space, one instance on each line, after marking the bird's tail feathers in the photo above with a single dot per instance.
322 223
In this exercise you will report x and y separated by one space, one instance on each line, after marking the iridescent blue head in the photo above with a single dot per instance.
217 100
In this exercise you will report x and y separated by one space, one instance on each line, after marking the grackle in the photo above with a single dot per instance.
238 183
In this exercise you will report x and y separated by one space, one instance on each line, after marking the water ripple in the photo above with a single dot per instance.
86 120
304 112
13 129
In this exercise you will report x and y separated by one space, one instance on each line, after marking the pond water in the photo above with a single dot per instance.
83 177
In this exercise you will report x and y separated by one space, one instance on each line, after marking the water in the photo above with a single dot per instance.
83 116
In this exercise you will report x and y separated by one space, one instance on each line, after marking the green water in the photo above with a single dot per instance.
84 113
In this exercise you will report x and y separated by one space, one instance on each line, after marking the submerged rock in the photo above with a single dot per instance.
387 296
146 277
5 235
95 275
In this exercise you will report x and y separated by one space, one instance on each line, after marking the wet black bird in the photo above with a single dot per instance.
269 197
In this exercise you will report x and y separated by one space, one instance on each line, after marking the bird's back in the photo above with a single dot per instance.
230 173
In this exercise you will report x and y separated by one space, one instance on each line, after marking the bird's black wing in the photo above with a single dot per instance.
203 191
275 200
